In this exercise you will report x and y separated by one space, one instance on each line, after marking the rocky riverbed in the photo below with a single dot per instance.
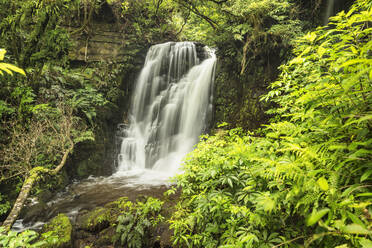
89 210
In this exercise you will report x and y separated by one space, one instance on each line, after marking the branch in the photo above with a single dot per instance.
193 8
184 24
64 158
288 241
244 59
35 176
18 205
219 2
62 140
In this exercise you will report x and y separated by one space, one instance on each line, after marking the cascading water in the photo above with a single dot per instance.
171 106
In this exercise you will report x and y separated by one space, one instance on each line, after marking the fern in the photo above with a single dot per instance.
134 225
306 180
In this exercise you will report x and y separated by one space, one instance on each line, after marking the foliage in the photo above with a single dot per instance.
32 239
58 232
149 20
134 225
23 239
30 30
43 143
8 68
4 205
252 37
34 109
254 26
38 127
306 181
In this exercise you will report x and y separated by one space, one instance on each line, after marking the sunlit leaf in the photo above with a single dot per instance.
355 229
316 216
323 184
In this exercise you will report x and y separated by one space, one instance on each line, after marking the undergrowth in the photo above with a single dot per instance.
305 179
133 228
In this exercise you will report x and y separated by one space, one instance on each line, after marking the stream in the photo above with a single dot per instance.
93 192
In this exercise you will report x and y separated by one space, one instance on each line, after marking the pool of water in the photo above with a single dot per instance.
97 191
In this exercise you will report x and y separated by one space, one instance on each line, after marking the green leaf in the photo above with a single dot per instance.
323 184
2 54
8 68
315 216
16 69
310 37
321 51
356 61
366 175
355 219
229 181
368 194
365 243
355 229
342 246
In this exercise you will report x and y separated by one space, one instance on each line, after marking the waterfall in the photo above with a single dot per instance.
170 108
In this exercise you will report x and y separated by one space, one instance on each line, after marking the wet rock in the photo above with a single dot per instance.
96 227
105 237
45 195
164 235
34 212
202 54
81 234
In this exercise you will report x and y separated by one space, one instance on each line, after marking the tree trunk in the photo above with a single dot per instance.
35 176
18 205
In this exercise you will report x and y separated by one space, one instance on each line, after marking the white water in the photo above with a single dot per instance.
170 109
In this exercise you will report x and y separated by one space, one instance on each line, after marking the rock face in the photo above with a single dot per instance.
104 46
103 39
105 43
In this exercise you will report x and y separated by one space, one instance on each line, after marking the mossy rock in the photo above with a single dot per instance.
96 220
105 237
58 232
102 217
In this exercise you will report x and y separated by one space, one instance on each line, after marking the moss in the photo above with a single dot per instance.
105 237
98 227
96 220
103 217
57 233
120 204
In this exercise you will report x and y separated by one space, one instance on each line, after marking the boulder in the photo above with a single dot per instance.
57 232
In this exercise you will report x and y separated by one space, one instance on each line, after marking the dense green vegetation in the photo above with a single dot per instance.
305 178
41 114
252 39
133 227
44 115
301 180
